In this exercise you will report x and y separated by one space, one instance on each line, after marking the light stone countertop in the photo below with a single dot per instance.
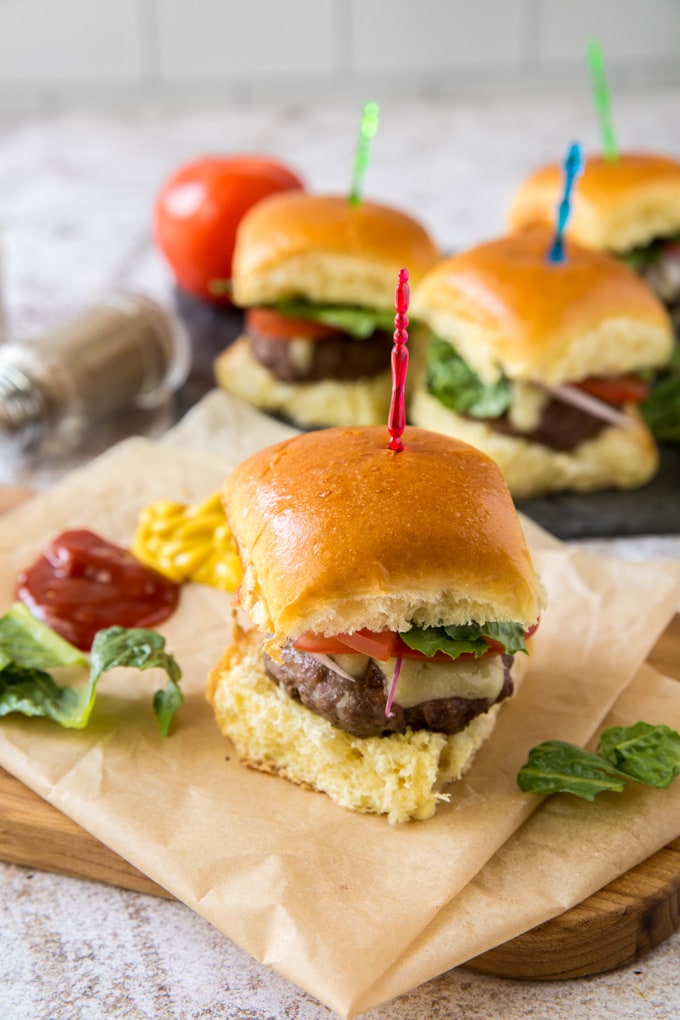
75 200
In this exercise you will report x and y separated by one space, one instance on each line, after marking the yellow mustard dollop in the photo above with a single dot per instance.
188 543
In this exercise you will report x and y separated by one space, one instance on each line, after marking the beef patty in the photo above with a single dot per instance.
562 427
358 706
337 357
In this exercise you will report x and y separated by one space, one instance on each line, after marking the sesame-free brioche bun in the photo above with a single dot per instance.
326 250
508 311
617 204
336 532
617 457
400 775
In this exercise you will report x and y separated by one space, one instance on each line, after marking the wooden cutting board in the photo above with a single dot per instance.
610 929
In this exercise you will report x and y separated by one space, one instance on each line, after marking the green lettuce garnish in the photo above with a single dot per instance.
648 754
456 386
358 322
29 649
640 258
465 638
644 753
661 408
140 648
30 644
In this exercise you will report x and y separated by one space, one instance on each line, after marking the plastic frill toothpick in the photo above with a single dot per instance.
573 167
367 131
397 416
602 99
396 422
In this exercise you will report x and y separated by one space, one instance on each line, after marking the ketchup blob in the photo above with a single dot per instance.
82 584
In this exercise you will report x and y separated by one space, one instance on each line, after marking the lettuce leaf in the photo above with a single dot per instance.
644 753
456 386
142 649
465 638
558 767
661 408
27 642
648 754
33 691
640 258
29 648
358 322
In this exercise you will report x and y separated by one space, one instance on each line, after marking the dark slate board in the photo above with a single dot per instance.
651 510
210 330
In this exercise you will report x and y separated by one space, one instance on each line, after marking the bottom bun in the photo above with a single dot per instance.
622 458
363 401
400 775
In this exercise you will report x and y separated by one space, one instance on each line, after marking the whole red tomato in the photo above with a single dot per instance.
198 210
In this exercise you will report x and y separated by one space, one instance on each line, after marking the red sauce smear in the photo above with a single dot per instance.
82 584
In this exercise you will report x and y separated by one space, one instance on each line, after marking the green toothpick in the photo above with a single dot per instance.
369 126
602 100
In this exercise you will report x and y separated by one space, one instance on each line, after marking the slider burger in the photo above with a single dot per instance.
539 364
316 275
629 207
362 567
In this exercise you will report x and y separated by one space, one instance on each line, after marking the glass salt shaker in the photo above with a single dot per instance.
124 353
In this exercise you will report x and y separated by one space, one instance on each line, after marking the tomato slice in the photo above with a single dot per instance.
323 645
619 389
384 645
271 324
381 646
362 642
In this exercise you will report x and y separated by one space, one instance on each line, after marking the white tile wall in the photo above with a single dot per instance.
124 52
629 30
65 41
250 39
431 35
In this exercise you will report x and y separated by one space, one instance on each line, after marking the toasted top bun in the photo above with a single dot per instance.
507 310
617 204
326 250
337 532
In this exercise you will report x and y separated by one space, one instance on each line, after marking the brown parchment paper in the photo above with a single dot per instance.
316 892
566 851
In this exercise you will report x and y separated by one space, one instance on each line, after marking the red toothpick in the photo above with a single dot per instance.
396 422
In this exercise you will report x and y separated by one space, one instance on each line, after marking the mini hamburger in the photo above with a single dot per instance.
629 207
315 275
360 563
539 364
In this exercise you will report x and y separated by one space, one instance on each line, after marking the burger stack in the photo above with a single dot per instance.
628 207
543 366
316 276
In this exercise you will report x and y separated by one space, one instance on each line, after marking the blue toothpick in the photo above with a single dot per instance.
573 168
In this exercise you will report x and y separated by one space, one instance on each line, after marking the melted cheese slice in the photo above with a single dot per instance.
301 354
428 681
526 408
